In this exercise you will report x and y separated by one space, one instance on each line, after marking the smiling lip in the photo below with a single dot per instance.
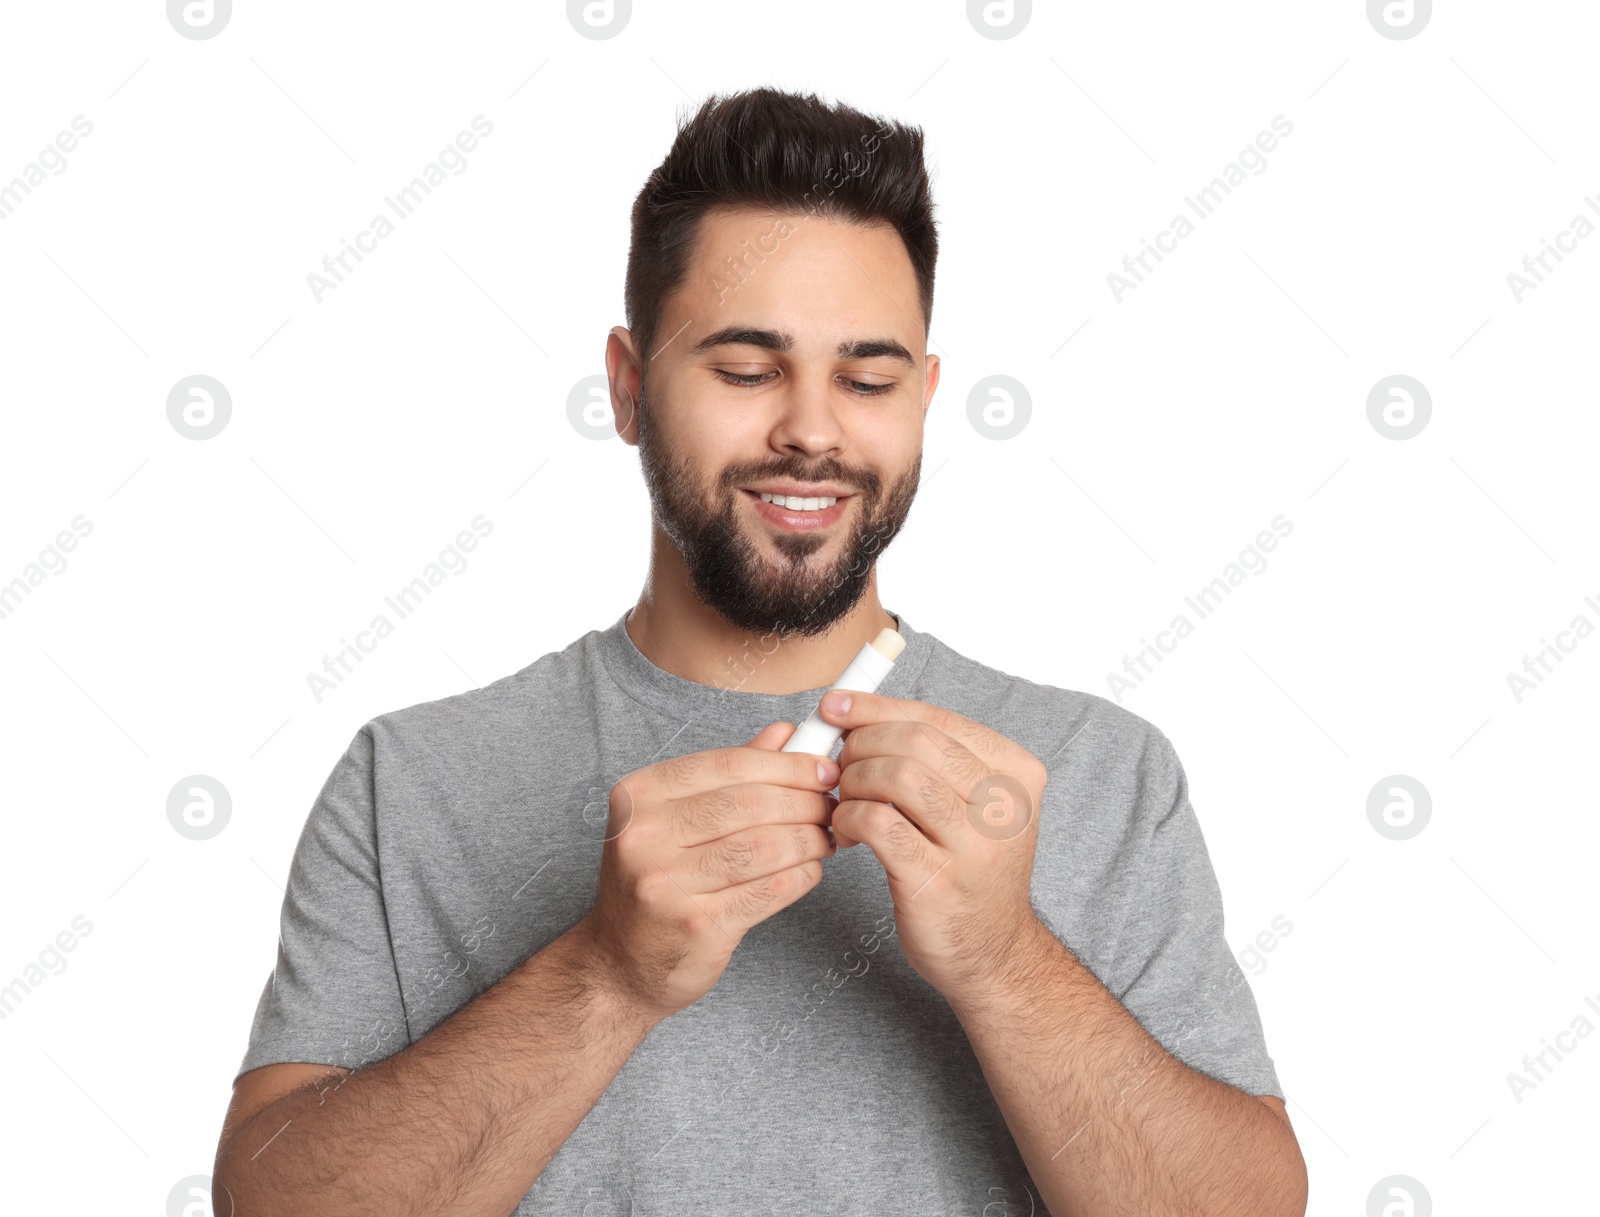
797 521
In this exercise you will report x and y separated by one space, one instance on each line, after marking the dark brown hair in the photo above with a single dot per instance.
788 152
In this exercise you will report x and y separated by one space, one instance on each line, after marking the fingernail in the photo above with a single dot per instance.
827 772
839 703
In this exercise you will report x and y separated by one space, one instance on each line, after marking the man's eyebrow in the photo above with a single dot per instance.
872 348
740 335
777 340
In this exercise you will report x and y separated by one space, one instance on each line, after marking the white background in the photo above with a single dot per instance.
430 387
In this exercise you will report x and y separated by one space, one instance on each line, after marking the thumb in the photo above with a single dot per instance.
773 737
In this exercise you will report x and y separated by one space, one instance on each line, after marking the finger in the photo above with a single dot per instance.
751 853
840 838
994 750
740 908
695 772
909 858
923 797
921 744
727 809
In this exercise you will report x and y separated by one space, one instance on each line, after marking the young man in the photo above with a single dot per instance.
587 940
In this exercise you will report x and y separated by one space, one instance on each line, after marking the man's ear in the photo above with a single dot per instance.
623 375
932 384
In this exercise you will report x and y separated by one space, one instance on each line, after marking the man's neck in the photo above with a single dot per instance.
681 635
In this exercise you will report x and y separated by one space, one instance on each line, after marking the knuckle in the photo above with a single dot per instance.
902 838
786 803
936 796
802 842
872 769
620 800
728 764
625 848
903 773
758 896
691 920
963 761
879 819
800 876
736 854
647 886
707 811
679 770
746 801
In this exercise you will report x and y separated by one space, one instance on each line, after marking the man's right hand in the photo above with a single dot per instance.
699 849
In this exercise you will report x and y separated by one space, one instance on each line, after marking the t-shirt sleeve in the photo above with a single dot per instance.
333 997
1170 965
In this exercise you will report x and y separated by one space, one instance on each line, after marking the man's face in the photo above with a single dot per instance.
803 370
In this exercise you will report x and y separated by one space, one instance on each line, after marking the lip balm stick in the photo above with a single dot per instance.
864 675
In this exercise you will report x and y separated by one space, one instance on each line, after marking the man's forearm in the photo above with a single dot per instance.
1106 1119
461 1122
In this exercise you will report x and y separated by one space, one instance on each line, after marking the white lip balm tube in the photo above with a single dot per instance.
864 675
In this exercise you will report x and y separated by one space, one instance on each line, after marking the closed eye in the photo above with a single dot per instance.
866 390
751 380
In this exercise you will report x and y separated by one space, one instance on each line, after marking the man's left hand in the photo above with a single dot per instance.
950 808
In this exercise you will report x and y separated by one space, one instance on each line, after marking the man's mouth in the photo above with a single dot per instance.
798 514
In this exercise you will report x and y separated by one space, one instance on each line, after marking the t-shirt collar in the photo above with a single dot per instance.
728 705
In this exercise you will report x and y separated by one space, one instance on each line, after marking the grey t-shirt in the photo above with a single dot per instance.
457 837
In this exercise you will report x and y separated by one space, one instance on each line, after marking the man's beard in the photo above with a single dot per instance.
727 570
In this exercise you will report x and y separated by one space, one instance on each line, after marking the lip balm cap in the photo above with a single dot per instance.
889 643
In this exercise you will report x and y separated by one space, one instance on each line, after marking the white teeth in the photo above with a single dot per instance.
792 503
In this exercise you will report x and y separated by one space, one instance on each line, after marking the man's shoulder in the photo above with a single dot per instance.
1114 778
505 710
1061 726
